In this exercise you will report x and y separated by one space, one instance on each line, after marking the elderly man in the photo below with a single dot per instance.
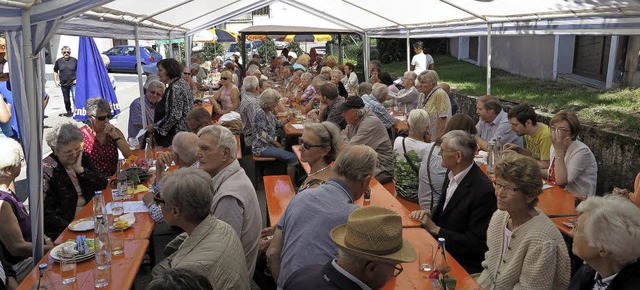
234 198
212 248
151 98
198 118
407 98
248 107
360 262
363 127
373 103
434 100
462 216
64 76
302 234
537 136
183 153
364 89
329 105
493 124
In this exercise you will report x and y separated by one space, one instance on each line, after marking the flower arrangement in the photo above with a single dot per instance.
440 279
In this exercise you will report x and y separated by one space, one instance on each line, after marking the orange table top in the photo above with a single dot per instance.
413 278
305 165
238 147
380 196
564 229
124 269
279 192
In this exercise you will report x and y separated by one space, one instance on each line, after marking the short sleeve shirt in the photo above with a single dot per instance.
540 143
104 156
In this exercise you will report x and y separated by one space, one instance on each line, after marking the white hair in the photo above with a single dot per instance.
462 141
185 145
612 225
418 121
11 153
224 136
250 83
379 90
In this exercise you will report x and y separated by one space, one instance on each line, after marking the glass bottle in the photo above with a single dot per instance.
102 244
148 152
99 207
440 258
44 281
491 156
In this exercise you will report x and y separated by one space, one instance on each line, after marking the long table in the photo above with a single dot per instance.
124 269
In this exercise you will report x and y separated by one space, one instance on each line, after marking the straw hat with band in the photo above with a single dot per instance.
374 233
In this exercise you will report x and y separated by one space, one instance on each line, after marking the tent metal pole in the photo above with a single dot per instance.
366 54
35 196
170 46
187 51
488 58
408 51
340 56
143 104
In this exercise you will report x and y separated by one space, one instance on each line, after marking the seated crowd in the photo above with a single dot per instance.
408 135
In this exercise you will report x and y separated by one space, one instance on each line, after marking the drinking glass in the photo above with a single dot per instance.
117 207
425 259
117 241
101 275
129 189
68 270
133 143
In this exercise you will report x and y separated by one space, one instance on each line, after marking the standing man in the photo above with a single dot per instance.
64 75
434 100
537 136
493 124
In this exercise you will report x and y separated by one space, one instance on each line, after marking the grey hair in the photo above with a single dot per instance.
612 225
360 112
356 162
379 90
250 83
67 47
190 190
156 84
253 69
224 136
307 76
63 135
96 104
418 121
429 76
364 89
462 141
329 134
337 71
11 154
298 73
268 99
185 145
410 74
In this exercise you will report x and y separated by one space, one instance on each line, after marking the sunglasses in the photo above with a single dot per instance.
66 52
224 78
186 73
308 146
102 118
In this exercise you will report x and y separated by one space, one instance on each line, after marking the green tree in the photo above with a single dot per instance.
295 47
211 50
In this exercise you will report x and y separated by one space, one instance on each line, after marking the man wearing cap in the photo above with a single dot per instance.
64 76
302 234
370 247
151 97
363 127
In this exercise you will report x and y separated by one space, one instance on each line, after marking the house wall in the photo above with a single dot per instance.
529 56
453 47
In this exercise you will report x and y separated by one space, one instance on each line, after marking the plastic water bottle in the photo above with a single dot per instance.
491 156
99 208
440 257
44 281
148 153
102 246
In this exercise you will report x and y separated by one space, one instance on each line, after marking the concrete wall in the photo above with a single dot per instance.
616 154
530 56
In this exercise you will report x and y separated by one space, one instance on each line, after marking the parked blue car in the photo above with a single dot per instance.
123 57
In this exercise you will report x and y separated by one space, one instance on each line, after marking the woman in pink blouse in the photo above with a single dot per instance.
101 139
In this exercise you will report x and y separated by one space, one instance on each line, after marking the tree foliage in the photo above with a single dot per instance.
211 50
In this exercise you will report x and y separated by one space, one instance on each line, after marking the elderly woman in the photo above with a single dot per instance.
336 77
320 144
170 116
573 165
350 79
307 92
303 62
228 94
15 224
409 95
69 178
432 173
151 97
414 147
606 237
526 250
325 73
101 139
294 85
265 123
434 100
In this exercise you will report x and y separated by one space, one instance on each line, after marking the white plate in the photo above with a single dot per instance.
129 217
81 225
79 258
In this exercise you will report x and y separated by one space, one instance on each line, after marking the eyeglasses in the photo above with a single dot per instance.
155 93
398 268
102 118
510 189
224 78
66 52
559 129
308 146
158 200
72 153
186 73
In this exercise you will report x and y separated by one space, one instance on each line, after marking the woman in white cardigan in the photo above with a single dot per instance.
526 250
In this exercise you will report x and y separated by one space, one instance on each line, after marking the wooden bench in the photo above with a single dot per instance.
391 187
260 163
279 192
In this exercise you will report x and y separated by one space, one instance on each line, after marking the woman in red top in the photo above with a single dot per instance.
101 139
